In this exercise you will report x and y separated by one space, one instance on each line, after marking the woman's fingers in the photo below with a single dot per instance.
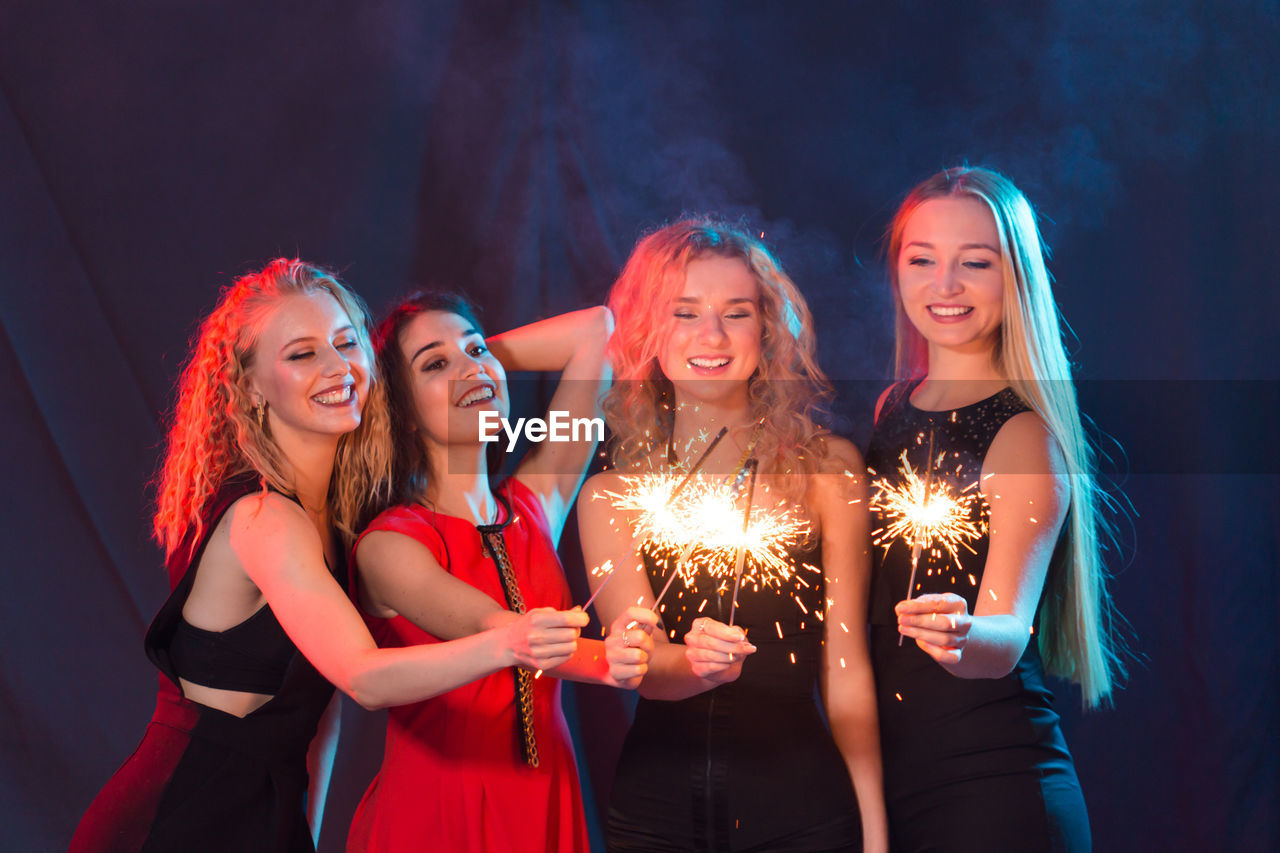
713 636
941 639
548 658
546 638
636 617
628 656
546 617
940 655
950 623
946 602
719 653
706 626
939 623
717 649
629 644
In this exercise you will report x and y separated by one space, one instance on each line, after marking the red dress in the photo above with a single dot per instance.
452 777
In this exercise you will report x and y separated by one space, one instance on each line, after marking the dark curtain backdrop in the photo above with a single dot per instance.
150 151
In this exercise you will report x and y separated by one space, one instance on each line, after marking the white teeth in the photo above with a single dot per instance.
709 362
949 310
332 398
476 396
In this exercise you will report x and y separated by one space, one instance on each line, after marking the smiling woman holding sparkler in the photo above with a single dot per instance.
725 487
488 766
986 542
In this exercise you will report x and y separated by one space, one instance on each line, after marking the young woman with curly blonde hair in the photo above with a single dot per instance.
730 748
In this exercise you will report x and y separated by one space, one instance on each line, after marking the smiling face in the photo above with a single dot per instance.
452 377
950 274
309 368
713 344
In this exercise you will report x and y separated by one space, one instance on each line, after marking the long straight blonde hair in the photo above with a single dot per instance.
1076 636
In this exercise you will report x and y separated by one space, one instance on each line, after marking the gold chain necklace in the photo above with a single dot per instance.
491 536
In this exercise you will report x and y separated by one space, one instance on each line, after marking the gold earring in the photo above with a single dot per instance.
260 412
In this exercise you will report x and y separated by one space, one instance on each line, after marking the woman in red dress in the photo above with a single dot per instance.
488 766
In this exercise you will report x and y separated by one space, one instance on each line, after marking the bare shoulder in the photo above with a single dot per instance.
596 488
248 547
596 510
840 483
271 530
1024 445
842 456
600 522
265 512
607 479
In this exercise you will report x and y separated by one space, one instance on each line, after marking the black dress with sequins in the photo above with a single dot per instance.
751 764
970 764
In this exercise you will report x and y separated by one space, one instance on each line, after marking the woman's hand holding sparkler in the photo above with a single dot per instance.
715 650
544 638
629 645
939 623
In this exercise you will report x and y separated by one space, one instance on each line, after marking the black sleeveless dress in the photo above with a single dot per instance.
970 764
751 764
202 779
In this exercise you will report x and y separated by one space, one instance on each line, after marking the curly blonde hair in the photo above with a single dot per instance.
787 391
214 435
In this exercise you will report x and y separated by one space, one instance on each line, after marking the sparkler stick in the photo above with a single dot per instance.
600 588
684 554
698 465
740 559
675 571
918 545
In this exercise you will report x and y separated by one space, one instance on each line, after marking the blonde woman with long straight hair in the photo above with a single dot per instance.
731 747
983 419
279 434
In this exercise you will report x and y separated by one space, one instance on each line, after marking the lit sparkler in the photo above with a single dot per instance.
917 546
697 526
925 513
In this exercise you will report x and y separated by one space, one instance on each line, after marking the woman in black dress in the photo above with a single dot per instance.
729 749
278 437
984 421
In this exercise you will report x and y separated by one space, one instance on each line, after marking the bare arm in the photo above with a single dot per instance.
573 344
400 576
606 538
280 552
839 498
1025 481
